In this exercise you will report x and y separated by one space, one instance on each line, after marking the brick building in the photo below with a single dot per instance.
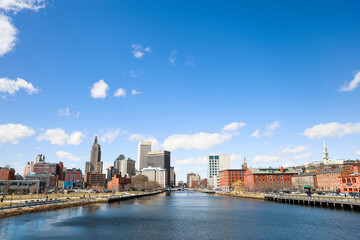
188 178
229 176
118 182
349 180
7 173
47 168
265 179
201 183
327 178
73 175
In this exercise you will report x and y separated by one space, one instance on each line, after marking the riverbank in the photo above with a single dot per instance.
69 204
244 195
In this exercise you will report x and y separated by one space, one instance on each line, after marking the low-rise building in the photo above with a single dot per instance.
265 179
327 178
159 175
95 179
118 182
229 176
16 185
7 173
349 180
304 180
48 180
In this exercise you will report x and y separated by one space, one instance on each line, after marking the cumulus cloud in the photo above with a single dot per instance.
296 149
138 51
256 134
302 156
233 126
7 35
155 144
67 156
134 92
351 85
198 141
357 153
109 136
18 5
14 132
333 129
120 92
12 86
265 158
8 31
193 161
270 129
64 112
99 89
58 136
173 57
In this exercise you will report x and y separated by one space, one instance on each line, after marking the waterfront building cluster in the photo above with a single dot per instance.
326 176
39 175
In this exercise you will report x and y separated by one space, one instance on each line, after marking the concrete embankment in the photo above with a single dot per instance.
50 207
245 195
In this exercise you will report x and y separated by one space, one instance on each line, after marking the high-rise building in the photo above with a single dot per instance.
157 174
160 159
127 167
39 158
117 163
172 177
95 165
143 148
217 163
189 176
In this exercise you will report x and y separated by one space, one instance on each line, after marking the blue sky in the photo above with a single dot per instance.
284 75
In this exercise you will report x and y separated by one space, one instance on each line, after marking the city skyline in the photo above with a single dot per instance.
263 83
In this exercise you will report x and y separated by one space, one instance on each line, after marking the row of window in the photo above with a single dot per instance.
350 189
348 180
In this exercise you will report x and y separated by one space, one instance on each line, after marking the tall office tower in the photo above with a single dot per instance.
127 167
39 158
172 177
160 159
217 163
117 163
143 148
95 165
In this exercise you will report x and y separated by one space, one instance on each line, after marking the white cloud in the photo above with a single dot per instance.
352 85
7 29
138 51
155 144
357 153
134 92
99 89
193 161
333 129
302 156
120 92
7 35
173 57
64 112
58 136
12 86
18 5
271 128
67 156
14 132
198 141
20 155
296 149
236 158
265 158
109 136
233 126
256 134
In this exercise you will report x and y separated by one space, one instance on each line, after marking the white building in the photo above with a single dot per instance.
159 175
217 163
143 148
127 167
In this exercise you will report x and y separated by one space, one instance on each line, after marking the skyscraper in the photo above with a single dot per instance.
95 165
160 159
143 148
217 163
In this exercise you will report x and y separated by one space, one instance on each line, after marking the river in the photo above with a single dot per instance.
185 215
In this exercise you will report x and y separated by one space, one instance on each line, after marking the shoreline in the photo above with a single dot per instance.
259 196
51 207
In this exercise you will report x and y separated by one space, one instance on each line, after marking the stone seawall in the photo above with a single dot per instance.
244 195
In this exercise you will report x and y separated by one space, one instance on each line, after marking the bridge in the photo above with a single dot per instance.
320 201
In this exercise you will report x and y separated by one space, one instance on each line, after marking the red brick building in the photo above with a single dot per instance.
7 173
349 180
118 182
201 183
229 176
265 179
327 178
46 168
73 175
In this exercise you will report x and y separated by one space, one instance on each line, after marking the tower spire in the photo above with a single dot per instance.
325 154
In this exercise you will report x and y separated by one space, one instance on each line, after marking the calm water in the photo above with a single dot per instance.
185 215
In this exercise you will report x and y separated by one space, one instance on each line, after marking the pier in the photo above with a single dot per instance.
319 201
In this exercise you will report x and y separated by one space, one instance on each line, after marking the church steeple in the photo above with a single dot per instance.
244 166
325 154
